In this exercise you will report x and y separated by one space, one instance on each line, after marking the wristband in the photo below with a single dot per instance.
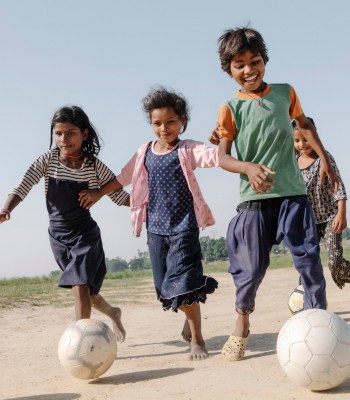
2 211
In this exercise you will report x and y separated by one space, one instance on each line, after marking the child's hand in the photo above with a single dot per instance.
4 216
326 170
259 180
339 223
214 138
88 198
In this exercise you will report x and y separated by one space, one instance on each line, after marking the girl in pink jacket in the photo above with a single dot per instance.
165 194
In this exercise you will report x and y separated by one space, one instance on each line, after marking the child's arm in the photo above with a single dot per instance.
340 223
214 138
310 134
11 202
257 173
89 197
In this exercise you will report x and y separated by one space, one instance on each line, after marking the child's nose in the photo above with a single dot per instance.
247 69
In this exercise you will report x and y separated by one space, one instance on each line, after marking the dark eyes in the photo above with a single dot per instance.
167 122
253 62
68 133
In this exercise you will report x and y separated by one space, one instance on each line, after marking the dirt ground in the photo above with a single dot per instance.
152 363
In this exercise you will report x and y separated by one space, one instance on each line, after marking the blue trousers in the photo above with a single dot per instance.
177 269
251 234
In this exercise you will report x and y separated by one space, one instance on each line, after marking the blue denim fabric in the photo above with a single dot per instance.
177 269
74 236
251 235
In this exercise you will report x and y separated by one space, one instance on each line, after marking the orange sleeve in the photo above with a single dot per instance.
295 109
226 123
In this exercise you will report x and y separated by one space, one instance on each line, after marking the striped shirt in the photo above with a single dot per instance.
48 166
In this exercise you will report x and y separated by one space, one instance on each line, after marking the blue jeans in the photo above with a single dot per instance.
251 234
177 269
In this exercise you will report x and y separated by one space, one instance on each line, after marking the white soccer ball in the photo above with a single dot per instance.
296 300
87 348
313 348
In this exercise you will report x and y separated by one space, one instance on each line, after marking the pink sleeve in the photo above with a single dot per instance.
205 156
126 173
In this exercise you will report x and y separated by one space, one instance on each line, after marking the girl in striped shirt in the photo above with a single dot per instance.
71 170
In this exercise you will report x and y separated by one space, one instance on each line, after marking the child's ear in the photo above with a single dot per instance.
86 134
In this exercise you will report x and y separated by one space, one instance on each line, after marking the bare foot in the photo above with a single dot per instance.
117 325
186 332
198 352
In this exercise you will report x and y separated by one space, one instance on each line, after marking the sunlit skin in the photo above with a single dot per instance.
302 146
248 70
69 139
167 126
307 157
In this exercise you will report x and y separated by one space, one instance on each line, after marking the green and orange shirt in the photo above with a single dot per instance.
262 132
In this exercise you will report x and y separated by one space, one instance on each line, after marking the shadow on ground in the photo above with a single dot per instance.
139 376
48 396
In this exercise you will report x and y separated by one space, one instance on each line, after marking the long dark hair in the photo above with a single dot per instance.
76 116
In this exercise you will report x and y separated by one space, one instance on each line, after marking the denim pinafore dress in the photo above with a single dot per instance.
75 237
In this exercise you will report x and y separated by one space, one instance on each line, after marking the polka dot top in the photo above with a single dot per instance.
170 202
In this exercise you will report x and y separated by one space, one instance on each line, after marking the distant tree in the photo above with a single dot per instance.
55 274
116 264
346 234
142 261
136 264
279 249
220 252
204 245
213 249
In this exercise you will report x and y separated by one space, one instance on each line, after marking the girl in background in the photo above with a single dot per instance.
329 208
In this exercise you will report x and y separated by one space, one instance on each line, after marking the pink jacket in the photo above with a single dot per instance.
192 154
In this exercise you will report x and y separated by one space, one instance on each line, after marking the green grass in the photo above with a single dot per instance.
118 287
276 261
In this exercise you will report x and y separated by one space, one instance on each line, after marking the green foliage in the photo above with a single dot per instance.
55 274
142 261
144 273
346 234
32 291
44 290
213 249
279 249
116 264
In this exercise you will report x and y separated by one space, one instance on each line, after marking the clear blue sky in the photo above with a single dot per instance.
104 55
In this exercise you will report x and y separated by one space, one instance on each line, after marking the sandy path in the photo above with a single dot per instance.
152 363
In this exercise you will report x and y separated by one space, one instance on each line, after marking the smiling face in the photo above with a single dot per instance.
248 70
167 125
301 145
69 138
